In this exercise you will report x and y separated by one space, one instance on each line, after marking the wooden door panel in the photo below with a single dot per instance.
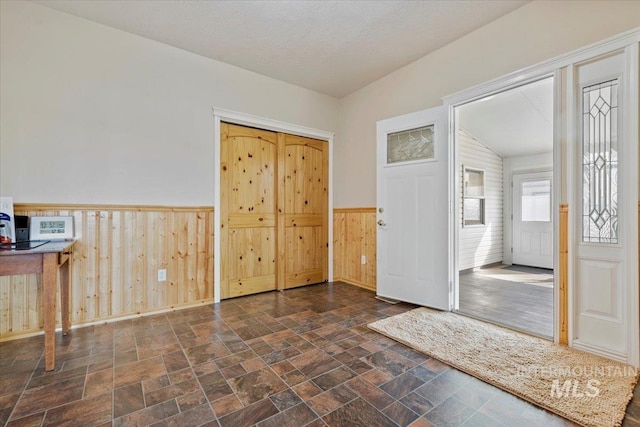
254 251
251 285
305 164
251 175
305 255
303 278
305 178
304 248
248 210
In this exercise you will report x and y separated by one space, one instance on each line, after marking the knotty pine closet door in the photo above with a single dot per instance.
274 211
248 210
303 229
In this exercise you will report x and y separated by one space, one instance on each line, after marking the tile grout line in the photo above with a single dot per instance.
190 367
263 361
271 368
24 388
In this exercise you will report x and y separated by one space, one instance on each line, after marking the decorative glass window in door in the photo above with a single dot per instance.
473 206
600 163
410 145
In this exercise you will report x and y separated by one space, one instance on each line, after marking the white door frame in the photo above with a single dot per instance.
222 115
503 84
554 67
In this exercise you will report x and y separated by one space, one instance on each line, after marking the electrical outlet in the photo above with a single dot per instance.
363 259
162 275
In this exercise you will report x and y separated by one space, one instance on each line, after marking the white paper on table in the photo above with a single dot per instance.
6 216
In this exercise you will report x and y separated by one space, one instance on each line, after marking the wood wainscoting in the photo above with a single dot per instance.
116 259
354 236
563 275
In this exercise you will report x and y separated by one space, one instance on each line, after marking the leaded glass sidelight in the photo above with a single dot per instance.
600 163
408 145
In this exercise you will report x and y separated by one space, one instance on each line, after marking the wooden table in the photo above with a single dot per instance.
47 260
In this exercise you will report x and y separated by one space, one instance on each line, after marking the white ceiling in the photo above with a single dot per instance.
517 122
332 47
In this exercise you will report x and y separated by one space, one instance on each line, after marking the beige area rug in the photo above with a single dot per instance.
586 389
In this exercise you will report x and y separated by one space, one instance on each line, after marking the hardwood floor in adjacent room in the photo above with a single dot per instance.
518 297
294 358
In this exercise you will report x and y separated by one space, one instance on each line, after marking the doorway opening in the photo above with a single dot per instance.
504 201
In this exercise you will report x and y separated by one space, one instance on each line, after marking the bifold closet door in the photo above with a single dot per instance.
248 210
303 220
273 211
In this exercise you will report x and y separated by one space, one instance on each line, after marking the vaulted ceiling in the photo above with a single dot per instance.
517 122
332 47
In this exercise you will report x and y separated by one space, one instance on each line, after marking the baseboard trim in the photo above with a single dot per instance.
27 334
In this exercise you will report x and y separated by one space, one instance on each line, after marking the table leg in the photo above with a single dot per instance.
64 297
49 285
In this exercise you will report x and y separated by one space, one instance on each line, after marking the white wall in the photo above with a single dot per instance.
521 164
531 34
131 118
480 245
90 114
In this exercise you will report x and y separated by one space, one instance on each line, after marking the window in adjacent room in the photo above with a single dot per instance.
536 201
473 203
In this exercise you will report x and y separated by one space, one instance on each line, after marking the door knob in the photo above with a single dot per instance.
381 223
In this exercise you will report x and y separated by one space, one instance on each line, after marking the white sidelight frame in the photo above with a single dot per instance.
629 96
222 115
561 68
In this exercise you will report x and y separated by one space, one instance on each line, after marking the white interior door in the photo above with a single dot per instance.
532 219
412 193
605 183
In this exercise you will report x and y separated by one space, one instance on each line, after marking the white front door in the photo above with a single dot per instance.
604 216
413 217
532 220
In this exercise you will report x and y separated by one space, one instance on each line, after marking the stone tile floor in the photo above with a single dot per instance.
294 358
